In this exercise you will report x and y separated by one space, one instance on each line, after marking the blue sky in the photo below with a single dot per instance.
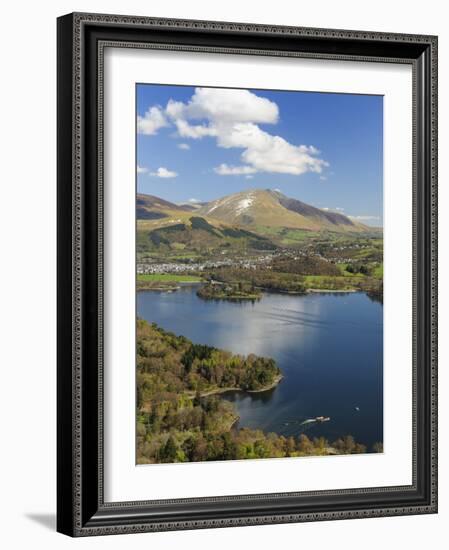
204 143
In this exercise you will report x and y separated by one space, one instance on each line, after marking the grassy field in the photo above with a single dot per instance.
345 273
167 277
286 236
327 282
379 271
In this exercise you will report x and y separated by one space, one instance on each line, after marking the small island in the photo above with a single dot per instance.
229 291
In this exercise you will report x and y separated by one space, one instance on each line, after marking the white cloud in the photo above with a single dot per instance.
364 218
220 105
141 169
199 131
163 173
335 209
153 120
264 152
194 201
268 153
232 117
225 170
249 177
184 146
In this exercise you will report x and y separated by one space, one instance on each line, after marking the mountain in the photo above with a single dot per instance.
256 220
149 207
259 209
192 206
197 235
164 227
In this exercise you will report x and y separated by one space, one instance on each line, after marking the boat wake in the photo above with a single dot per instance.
298 426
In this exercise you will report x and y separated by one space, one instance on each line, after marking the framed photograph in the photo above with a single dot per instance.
247 280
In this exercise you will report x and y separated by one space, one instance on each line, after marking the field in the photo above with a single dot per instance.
325 282
167 277
379 271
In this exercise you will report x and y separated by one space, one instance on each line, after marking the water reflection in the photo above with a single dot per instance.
329 347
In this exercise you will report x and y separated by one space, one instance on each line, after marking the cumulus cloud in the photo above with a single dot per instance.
141 169
269 153
184 146
233 117
163 173
198 131
152 121
225 170
219 105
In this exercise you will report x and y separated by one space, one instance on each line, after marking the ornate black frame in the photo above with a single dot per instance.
81 508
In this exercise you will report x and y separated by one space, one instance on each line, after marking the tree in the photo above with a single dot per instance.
197 399
320 445
305 446
345 445
290 446
168 451
141 430
229 447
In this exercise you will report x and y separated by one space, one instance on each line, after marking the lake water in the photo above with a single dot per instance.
328 346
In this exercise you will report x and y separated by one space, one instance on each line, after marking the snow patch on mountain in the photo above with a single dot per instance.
244 204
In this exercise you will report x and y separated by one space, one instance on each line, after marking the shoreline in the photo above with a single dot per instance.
331 291
267 388
180 284
218 391
250 298
234 422
158 289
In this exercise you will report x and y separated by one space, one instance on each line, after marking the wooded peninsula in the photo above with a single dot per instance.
181 416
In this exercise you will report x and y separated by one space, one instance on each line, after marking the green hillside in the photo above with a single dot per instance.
246 222
196 236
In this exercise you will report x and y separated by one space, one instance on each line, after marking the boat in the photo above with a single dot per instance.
322 418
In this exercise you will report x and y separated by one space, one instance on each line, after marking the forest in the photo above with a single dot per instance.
181 417
262 277
300 274
236 292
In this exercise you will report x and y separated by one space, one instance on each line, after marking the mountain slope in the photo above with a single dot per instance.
196 235
266 208
149 207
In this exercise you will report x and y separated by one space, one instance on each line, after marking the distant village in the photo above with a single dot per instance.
171 267
153 266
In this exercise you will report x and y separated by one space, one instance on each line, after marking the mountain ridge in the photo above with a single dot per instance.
270 208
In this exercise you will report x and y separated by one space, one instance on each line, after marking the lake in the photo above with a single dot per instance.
328 346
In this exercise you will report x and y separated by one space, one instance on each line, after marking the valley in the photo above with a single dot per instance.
238 244
259 274
197 402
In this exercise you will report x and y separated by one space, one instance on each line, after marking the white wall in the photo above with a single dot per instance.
27 273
